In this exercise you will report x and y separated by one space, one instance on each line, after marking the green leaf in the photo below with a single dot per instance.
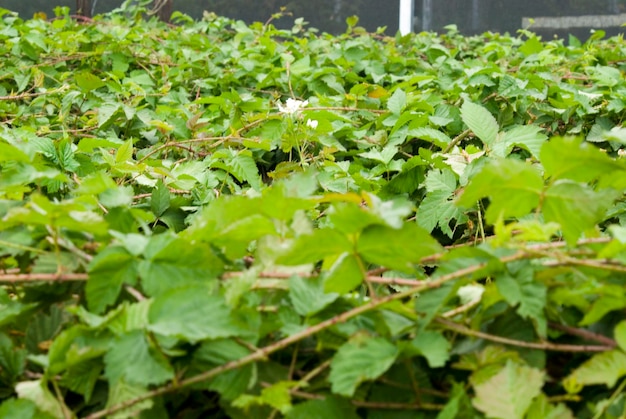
619 334
396 248
310 248
576 207
125 152
121 392
344 275
108 271
107 113
192 314
481 122
21 409
172 262
570 158
397 102
512 186
603 368
307 295
160 199
362 358
328 408
136 361
38 393
245 169
509 393
542 408
88 81
528 137
433 346
12 360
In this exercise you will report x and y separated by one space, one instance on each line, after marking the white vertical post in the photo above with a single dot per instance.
406 16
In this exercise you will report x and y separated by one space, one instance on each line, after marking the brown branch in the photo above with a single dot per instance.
583 333
375 405
58 277
546 346
263 353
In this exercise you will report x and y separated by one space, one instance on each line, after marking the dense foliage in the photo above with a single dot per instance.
221 220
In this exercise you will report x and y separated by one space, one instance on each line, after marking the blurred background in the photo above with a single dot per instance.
470 16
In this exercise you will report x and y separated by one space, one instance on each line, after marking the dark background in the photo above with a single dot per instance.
471 16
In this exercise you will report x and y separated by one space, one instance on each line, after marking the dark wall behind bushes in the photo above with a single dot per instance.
470 16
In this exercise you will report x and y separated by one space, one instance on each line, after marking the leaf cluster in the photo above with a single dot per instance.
221 220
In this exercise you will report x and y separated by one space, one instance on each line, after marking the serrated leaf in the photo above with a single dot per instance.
310 248
512 186
396 248
108 271
619 333
107 112
570 158
542 408
192 314
576 207
433 346
21 409
528 137
171 262
245 169
38 393
509 393
344 275
603 368
120 392
531 296
430 134
307 295
124 152
481 122
160 199
133 360
397 101
361 359
88 81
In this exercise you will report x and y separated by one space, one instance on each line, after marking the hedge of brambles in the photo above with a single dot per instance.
220 220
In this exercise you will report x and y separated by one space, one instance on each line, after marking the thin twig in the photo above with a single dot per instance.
583 333
546 346
263 353
58 277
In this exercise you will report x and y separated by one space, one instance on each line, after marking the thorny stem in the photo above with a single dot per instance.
546 346
263 353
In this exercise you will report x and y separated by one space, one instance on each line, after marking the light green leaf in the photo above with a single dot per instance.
512 186
433 346
542 408
107 112
21 409
528 137
603 368
37 392
160 199
576 207
531 295
134 360
245 169
120 392
430 134
191 314
88 81
619 334
481 122
108 271
307 295
509 393
310 248
171 262
362 358
396 248
344 275
397 102
570 158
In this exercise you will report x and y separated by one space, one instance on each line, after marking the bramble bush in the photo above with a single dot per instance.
220 220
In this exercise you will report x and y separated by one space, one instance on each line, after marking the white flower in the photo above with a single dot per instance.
292 106
311 123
